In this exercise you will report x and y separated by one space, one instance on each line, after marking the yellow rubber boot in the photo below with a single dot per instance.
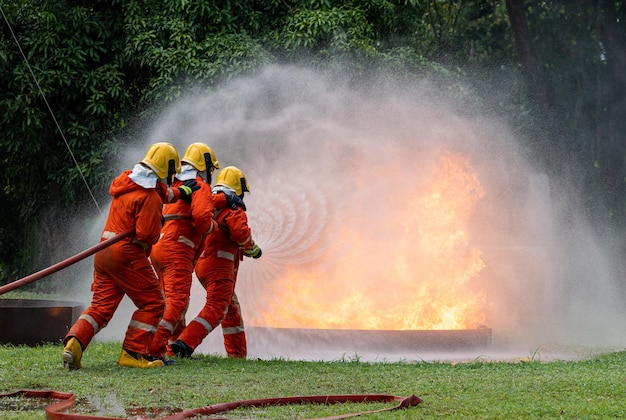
128 360
72 353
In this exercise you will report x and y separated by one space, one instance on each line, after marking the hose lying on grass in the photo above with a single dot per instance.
57 410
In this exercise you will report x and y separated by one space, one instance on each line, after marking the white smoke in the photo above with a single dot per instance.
317 153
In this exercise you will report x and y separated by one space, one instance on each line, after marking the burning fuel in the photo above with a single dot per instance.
412 267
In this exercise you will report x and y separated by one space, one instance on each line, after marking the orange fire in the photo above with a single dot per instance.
413 270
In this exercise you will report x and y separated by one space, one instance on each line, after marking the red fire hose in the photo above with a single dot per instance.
56 411
65 263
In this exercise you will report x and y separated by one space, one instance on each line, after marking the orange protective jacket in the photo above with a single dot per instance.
222 250
135 207
189 222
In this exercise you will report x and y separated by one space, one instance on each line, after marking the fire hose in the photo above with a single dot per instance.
57 410
80 256
65 263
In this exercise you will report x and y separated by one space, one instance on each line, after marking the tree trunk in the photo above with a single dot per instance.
530 63
611 125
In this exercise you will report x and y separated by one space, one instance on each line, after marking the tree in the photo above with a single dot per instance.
573 55
609 150
68 80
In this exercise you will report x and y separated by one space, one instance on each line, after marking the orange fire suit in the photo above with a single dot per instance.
175 254
217 271
124 268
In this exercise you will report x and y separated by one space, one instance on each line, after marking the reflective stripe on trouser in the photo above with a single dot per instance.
233 331
84 329
219 295
114 277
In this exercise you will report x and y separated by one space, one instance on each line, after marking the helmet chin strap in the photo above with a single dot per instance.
208 163
244 187
171 171
205 178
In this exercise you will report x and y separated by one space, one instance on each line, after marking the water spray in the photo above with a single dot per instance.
373 204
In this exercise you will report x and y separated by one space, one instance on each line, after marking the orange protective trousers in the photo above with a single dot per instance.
221 307
122 269
174 267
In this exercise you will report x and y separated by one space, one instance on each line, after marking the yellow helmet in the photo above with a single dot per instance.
234 178
163 159
200 156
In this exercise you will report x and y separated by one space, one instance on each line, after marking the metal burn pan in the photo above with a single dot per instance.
377 340
31 322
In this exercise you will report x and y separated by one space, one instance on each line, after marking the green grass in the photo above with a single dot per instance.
590 389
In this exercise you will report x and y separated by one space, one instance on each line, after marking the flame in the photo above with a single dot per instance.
411 269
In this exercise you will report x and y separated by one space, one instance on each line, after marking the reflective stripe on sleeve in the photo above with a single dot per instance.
248 239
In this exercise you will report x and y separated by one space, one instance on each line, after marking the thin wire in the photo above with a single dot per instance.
50 110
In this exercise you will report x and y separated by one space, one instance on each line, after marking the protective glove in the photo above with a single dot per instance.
187 189
254 252
233 200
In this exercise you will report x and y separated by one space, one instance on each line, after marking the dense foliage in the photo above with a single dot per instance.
100 66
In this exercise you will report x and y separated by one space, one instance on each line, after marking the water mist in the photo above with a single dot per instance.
385 208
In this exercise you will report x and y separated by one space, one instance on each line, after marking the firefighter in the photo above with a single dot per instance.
124 268
217 271
186 224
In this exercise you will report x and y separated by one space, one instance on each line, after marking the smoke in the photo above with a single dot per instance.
330 165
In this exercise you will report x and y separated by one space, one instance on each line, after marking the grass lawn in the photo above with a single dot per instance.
592 388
